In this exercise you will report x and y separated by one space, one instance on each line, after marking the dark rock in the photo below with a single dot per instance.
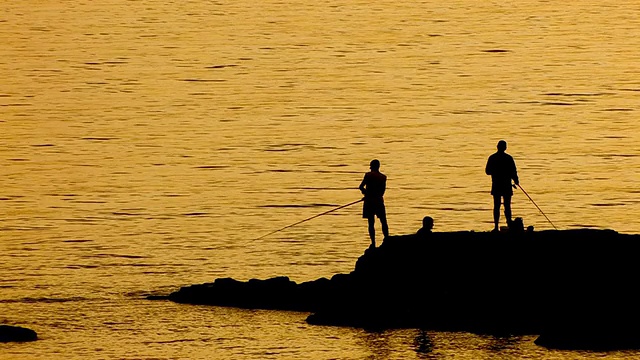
275 293
10 333
503 283
592 334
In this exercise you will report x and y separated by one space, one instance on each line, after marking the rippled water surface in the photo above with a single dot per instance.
145 145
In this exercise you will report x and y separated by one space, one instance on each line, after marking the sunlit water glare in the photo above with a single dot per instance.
145 145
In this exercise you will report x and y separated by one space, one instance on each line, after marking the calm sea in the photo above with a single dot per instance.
145 145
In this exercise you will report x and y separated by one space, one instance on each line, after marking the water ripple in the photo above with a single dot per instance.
298 205
28 300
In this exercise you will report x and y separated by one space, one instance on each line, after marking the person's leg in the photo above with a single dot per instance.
385 227
507 208
372 230
496 212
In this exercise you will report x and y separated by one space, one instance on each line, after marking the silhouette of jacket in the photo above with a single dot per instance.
373 187
502 169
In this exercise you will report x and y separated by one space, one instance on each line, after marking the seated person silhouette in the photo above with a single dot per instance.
427 226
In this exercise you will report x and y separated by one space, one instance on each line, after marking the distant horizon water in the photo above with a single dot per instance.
146 146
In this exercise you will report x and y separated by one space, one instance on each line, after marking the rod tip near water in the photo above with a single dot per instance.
538 207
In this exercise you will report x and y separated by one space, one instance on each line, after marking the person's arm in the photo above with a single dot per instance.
514 175
487 169
362 188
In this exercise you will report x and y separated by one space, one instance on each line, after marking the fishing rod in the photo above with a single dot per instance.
307 219
534 203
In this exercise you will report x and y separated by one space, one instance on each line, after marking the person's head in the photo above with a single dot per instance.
427 222
502 145
374 165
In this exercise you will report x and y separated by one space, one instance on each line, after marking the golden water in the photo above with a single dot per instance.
144 145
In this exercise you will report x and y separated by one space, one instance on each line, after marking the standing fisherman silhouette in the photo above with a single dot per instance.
502 169
373 186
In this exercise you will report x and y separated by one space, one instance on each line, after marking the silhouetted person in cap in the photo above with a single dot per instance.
373 186
502 169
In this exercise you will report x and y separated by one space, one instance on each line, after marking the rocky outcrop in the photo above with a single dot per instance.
581 336
10 333
561 285
275 293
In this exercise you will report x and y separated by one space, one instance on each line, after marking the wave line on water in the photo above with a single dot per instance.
294 206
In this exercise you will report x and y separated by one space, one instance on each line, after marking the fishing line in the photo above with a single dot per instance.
307 219
534 203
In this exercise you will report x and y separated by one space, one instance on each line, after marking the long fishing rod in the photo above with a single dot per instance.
313 217
534 203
